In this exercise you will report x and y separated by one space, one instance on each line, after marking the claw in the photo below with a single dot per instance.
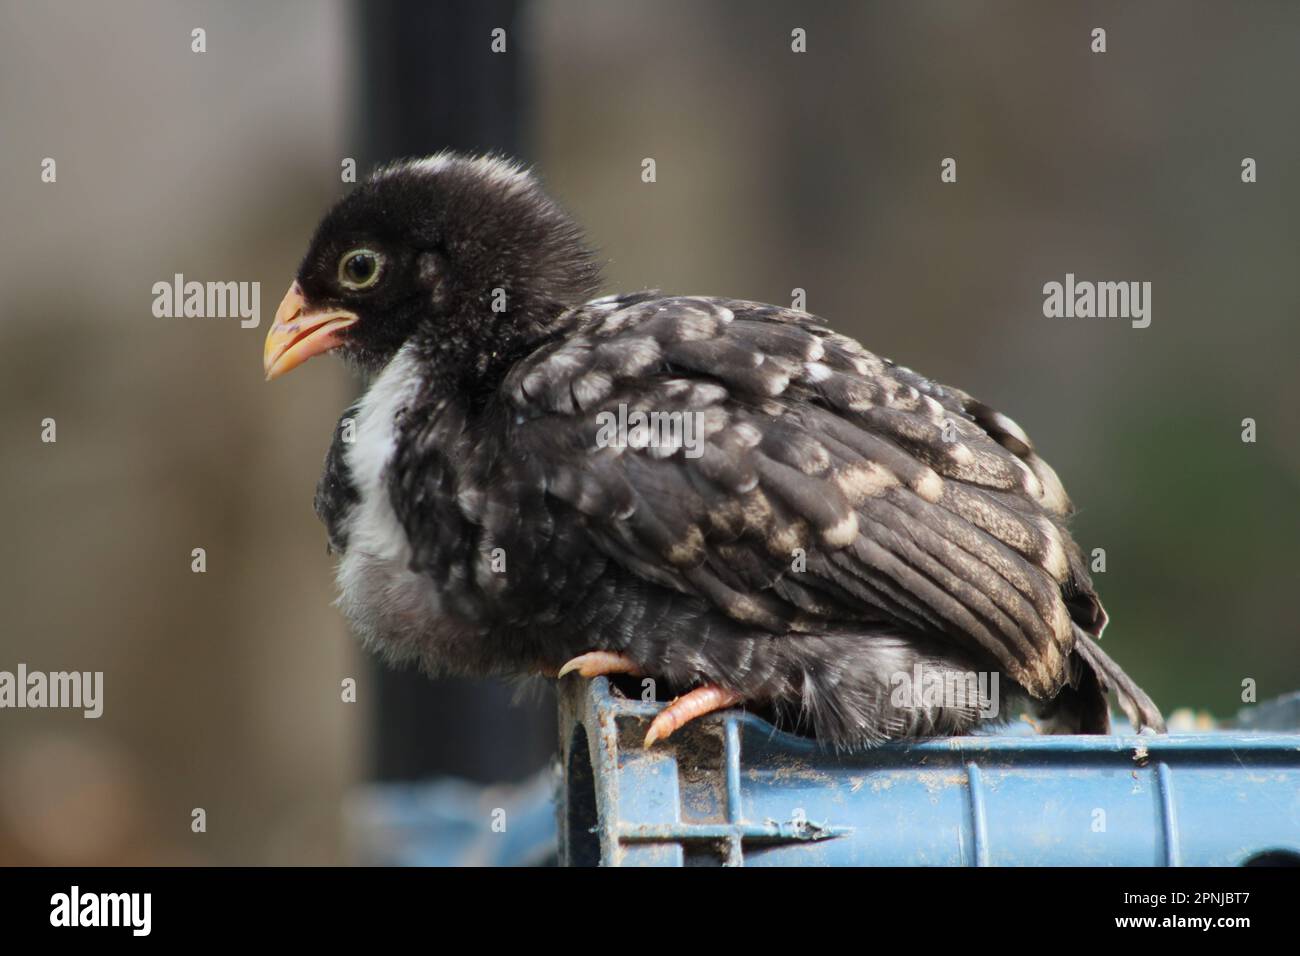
598 663
697 703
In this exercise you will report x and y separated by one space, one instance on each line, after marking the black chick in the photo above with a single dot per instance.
795 523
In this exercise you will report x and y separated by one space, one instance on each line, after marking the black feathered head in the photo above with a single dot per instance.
467 254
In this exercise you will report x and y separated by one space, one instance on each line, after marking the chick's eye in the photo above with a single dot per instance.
360 268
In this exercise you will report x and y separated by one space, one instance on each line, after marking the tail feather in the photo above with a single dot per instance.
1137 706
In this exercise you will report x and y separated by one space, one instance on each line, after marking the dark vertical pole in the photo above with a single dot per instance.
429 80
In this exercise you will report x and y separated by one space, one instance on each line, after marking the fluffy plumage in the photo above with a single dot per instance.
845 520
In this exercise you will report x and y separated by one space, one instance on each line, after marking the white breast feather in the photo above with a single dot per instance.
379 593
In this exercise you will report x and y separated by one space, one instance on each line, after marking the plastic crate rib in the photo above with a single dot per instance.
730 789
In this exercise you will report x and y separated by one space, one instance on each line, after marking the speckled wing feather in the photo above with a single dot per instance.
834 489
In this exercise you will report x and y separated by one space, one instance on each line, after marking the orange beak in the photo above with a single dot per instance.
295 337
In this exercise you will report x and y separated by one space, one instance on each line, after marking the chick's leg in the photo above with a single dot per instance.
679 713
599 663
696 703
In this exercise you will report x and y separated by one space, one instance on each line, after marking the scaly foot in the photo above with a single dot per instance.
679 713
696 703
599 663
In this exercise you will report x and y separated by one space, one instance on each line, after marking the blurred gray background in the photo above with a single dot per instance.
775 170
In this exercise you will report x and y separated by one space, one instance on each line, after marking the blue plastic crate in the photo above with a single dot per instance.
730 789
